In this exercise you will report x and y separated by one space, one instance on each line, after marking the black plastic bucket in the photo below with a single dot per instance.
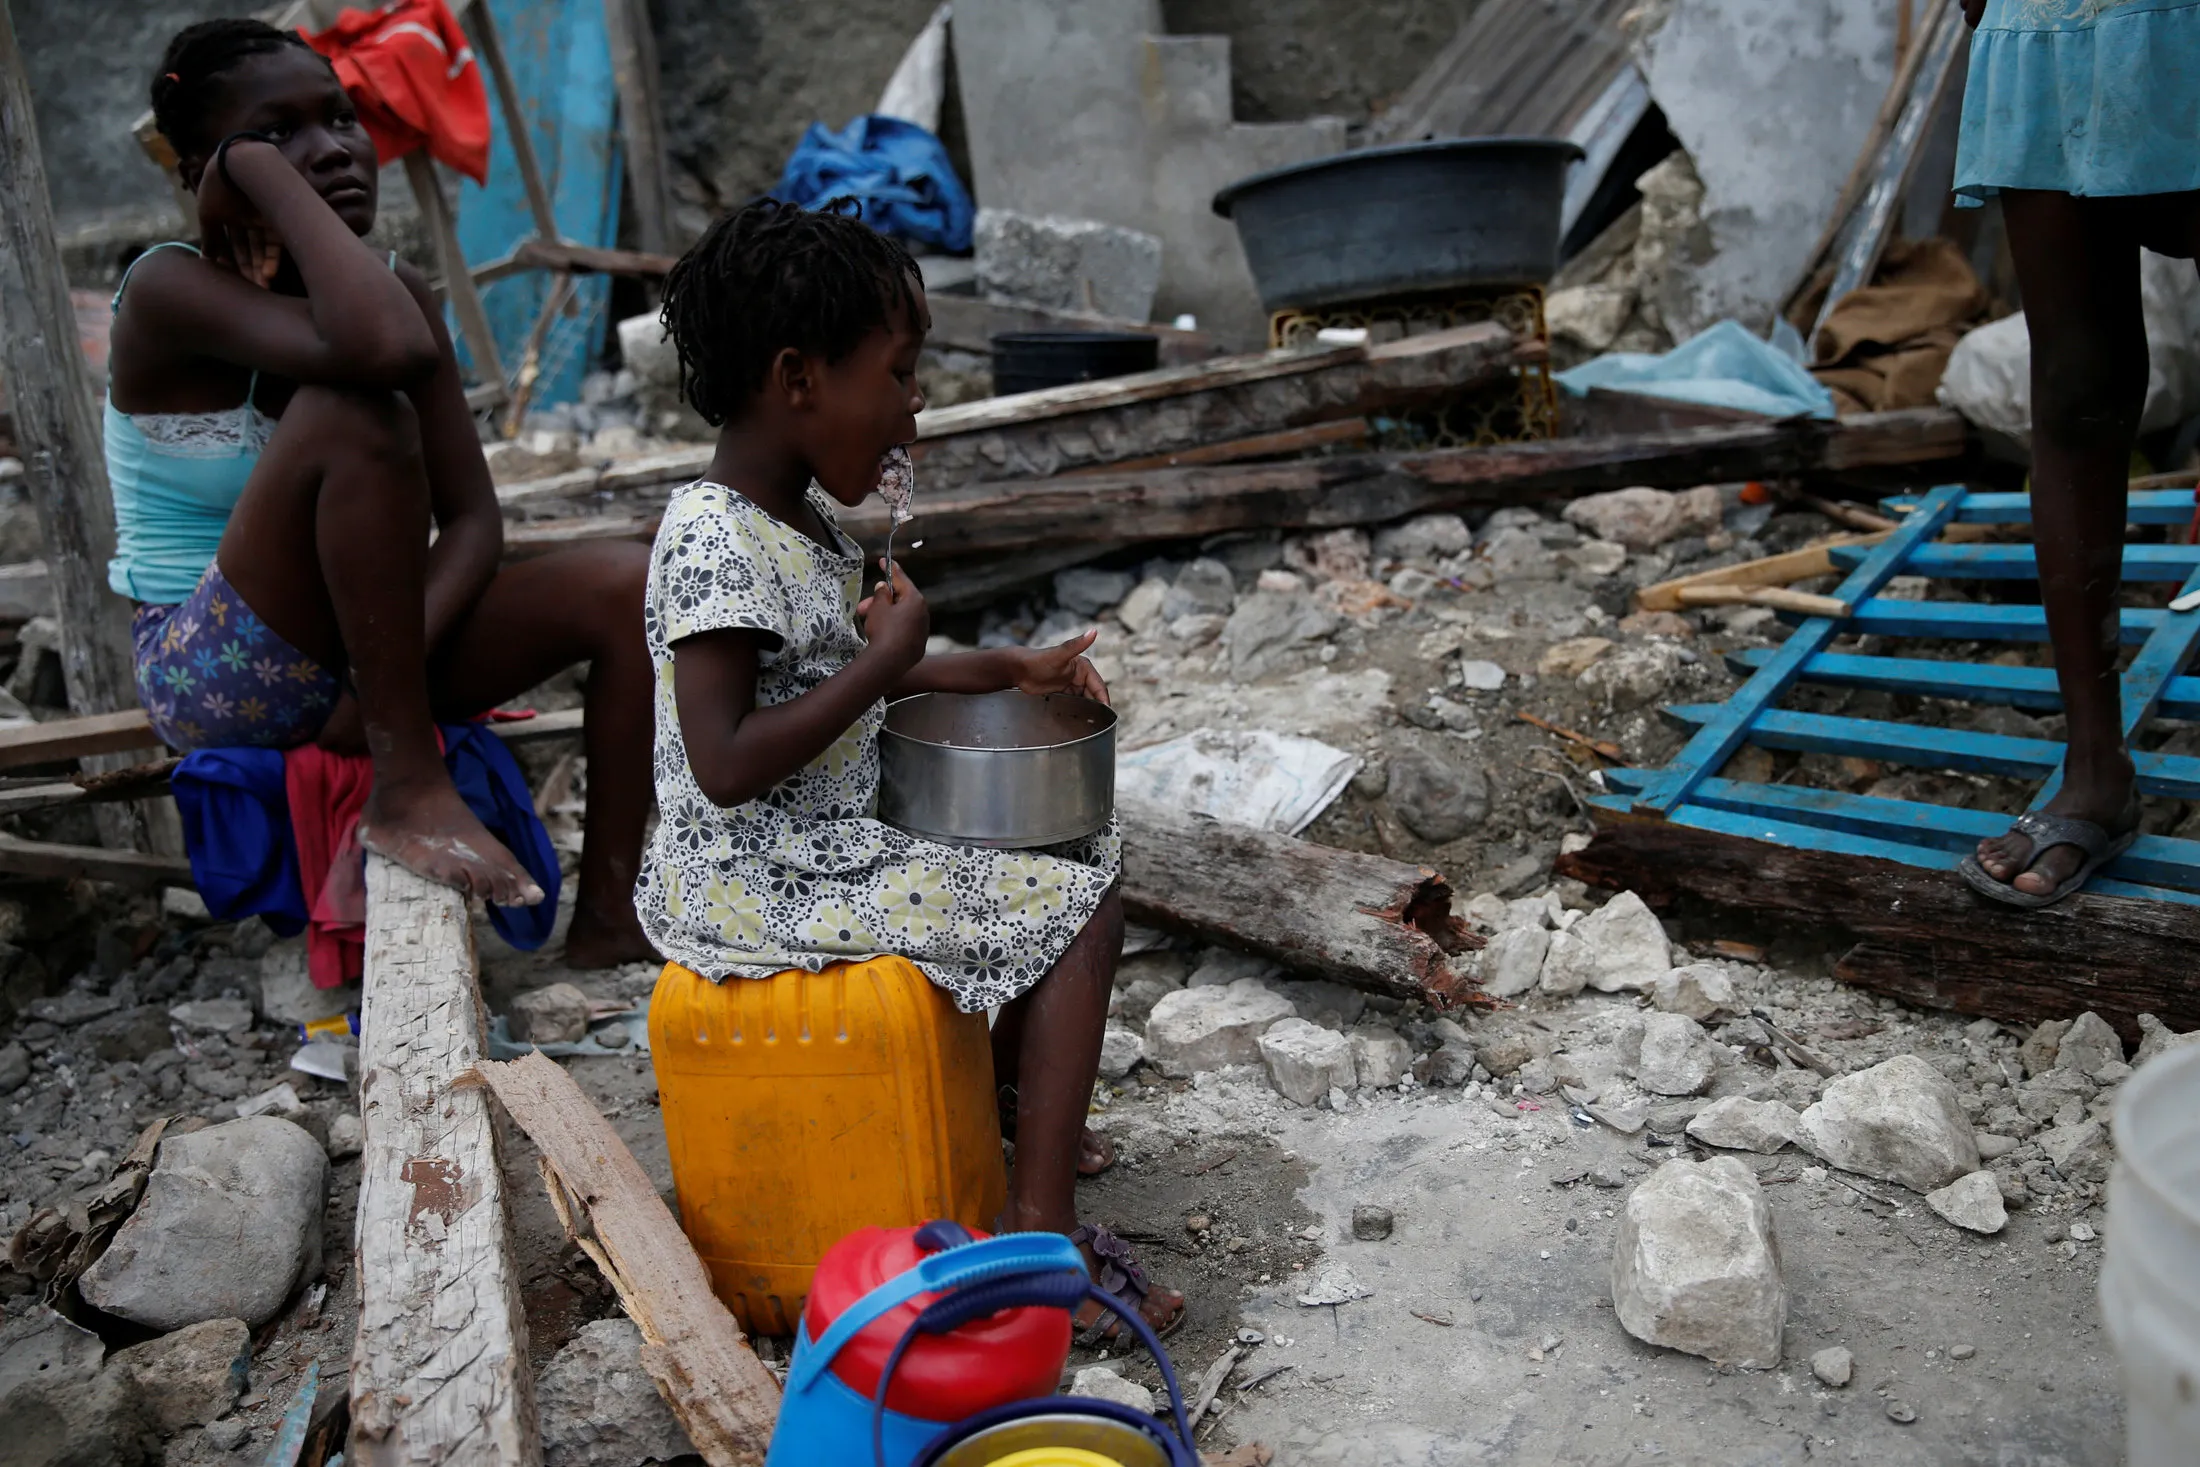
1398 221
1025 361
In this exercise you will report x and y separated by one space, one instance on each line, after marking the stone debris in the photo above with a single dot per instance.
1195 1029
193 1376
1120 1051
1371 1224
1696 1267
1438 798
347 1135
2039 1048
1569 964
1899 1121
1381 1058
257 1184
1676 1056
1067 264
2088 1046
213 1016
2155 1037
1972 1201
554 1014
1638 519
1512 963
1333 1285
1702 991
1306 1061
1737 1123
1630 943
599 1408
1834 1366
1106 1383
2080 1150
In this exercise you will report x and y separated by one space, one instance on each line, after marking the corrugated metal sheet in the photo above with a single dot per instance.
1521 67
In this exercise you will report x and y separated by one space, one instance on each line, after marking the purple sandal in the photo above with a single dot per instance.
1120 1277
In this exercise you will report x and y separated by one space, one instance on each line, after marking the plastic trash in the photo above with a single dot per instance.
1724 366
2150 1271
1269 781
895 169
1989 376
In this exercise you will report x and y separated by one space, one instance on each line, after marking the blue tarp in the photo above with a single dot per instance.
897 170
1724 366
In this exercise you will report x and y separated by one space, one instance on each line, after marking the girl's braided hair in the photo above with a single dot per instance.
186 87
772 275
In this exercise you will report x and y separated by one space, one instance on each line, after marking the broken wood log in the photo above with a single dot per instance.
691 1345
439 1371
52 861
1038 434
1364 921
1923 936
1289 442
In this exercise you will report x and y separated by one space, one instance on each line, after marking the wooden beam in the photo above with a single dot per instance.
691 1345
1365 921
1189 409
1925 937
641 120
52 399
458 282
51 861
1285 444
1784 569
573 259
439 1371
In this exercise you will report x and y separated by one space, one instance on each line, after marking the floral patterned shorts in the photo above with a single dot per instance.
212 676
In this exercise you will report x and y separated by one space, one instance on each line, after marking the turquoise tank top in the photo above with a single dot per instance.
176 477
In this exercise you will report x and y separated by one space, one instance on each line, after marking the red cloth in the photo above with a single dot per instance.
414 80
327 791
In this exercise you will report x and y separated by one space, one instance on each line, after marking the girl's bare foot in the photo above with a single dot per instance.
429 831
607 939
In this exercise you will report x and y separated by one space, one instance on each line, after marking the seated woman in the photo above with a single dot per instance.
285 424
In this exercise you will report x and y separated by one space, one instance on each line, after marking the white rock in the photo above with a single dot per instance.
2080 1152
1741 1124
2089 1045
259 1186
1640 519
1380 1056
1569 963
556 1013
193 1376
1427 538
1120 1051
1696 1266
1900 1121
1834 1366
600 1408
183 902
1481 675
2156 1037
347 1136
1486 910
1513 961
1677 1057
1307 1061
1633 676
1972 1201
279 1100
1104 1383
1630 943
1700 990
213 1015
1195 1029
1141 610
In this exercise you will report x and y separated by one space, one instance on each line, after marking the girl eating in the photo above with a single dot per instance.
798 335
285 424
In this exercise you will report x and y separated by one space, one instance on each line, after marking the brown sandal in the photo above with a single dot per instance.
1119 1276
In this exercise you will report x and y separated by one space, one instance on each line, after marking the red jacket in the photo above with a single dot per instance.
415 81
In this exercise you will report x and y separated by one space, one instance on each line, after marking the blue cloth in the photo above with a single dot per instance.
897 170
172 501
244 859
1724 366
2096 98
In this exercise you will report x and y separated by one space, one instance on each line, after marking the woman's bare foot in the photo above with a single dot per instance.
429 831
1095 1153
2011 857
607 939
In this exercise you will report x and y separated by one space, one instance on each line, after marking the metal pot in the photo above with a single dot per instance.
997 769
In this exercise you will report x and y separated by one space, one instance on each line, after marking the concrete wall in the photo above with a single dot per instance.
1303 58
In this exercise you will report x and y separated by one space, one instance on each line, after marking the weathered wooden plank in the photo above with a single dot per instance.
52 400
51 861
967 323
1926 937
691 1345
439 1371
1783 569
1365 921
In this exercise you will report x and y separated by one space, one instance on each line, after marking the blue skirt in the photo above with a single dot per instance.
2095 98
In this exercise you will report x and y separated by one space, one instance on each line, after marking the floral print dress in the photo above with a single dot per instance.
803 876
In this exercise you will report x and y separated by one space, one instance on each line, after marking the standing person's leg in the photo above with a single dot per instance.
1058 1028
328 547
2078 265
537 618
